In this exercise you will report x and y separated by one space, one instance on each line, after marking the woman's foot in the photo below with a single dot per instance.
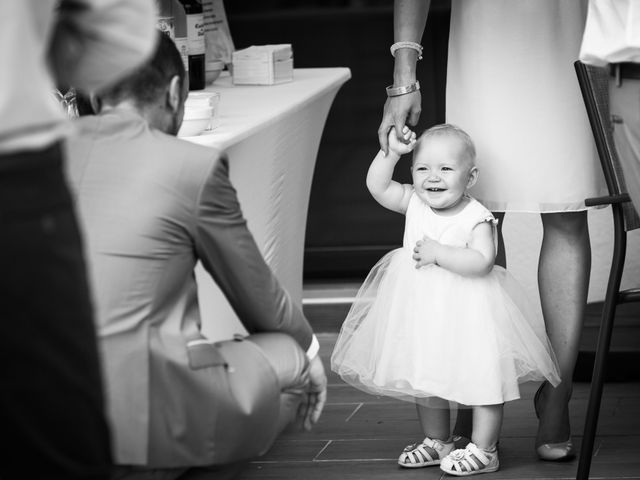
553 441
425 454
556 452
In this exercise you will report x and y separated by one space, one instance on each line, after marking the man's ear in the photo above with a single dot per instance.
174 94
473 177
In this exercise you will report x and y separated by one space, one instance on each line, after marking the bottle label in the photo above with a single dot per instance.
183 47
166 26
195 33
217 38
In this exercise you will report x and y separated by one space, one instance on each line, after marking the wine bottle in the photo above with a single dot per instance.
195 37
165 18
180 31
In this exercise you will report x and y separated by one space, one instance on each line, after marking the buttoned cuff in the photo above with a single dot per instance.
314 348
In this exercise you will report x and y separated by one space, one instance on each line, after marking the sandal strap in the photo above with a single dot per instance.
470 459
423 451
415 451
480 454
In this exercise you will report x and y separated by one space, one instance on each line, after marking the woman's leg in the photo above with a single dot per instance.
563 279
501 256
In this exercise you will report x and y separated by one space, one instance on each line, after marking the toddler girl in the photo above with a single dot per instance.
435 322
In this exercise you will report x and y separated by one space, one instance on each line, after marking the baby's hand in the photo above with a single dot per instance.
424 253
406 145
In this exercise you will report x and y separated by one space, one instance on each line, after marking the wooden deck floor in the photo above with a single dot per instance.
360 436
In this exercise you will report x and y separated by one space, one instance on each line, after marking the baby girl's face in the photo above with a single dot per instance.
441 172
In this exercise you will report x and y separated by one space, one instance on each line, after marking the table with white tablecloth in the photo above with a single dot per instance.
271 135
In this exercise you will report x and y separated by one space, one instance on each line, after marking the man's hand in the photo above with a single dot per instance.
424 253
316 396
398 111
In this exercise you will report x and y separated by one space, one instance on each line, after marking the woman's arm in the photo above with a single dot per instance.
409 20
476 259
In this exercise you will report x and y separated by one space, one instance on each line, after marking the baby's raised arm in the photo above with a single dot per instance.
387 192
476 259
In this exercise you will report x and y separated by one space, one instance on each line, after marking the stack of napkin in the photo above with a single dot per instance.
263 65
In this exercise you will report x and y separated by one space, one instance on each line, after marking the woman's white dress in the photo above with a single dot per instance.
429 332
512 86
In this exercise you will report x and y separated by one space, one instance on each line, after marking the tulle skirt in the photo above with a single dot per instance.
430 333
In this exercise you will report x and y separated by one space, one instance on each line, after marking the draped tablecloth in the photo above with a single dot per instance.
271 135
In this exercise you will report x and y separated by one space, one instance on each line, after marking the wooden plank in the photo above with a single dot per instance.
360 436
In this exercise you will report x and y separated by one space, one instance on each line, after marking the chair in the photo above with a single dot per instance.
594 84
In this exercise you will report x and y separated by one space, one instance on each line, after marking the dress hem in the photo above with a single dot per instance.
516 207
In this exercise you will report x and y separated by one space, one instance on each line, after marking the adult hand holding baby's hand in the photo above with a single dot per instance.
398 112
424 253
402 147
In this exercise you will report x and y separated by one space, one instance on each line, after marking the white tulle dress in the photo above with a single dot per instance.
428 332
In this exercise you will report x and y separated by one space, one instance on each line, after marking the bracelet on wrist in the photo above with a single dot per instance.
403 90
412 45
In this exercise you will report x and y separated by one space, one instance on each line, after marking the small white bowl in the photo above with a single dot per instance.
202 99
213 71
205 100
195 121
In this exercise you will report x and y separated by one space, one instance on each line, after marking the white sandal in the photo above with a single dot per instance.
424 454
470 461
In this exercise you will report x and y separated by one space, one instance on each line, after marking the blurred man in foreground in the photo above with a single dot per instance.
51 404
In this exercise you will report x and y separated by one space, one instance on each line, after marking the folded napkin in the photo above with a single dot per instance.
263 64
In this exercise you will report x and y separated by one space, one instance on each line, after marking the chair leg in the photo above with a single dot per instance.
604 341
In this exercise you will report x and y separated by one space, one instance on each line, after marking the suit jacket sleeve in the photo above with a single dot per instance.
229 253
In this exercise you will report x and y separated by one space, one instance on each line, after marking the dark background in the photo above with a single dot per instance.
347 231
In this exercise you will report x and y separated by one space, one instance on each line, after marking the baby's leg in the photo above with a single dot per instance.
481 455
434 418
487 423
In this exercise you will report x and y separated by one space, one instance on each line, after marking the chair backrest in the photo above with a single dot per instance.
594 84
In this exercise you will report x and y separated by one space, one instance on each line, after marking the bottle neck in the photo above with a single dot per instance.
191 7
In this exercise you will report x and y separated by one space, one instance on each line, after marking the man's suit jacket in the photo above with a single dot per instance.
151 205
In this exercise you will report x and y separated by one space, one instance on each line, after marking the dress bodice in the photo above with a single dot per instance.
452 230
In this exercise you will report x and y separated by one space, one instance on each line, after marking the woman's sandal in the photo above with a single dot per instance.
552 452
470 461
424 454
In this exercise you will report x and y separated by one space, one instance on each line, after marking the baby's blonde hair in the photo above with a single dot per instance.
450 130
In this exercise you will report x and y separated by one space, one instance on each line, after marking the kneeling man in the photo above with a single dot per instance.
151 206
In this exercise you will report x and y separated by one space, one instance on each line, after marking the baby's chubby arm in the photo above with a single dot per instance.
387 192
474 260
